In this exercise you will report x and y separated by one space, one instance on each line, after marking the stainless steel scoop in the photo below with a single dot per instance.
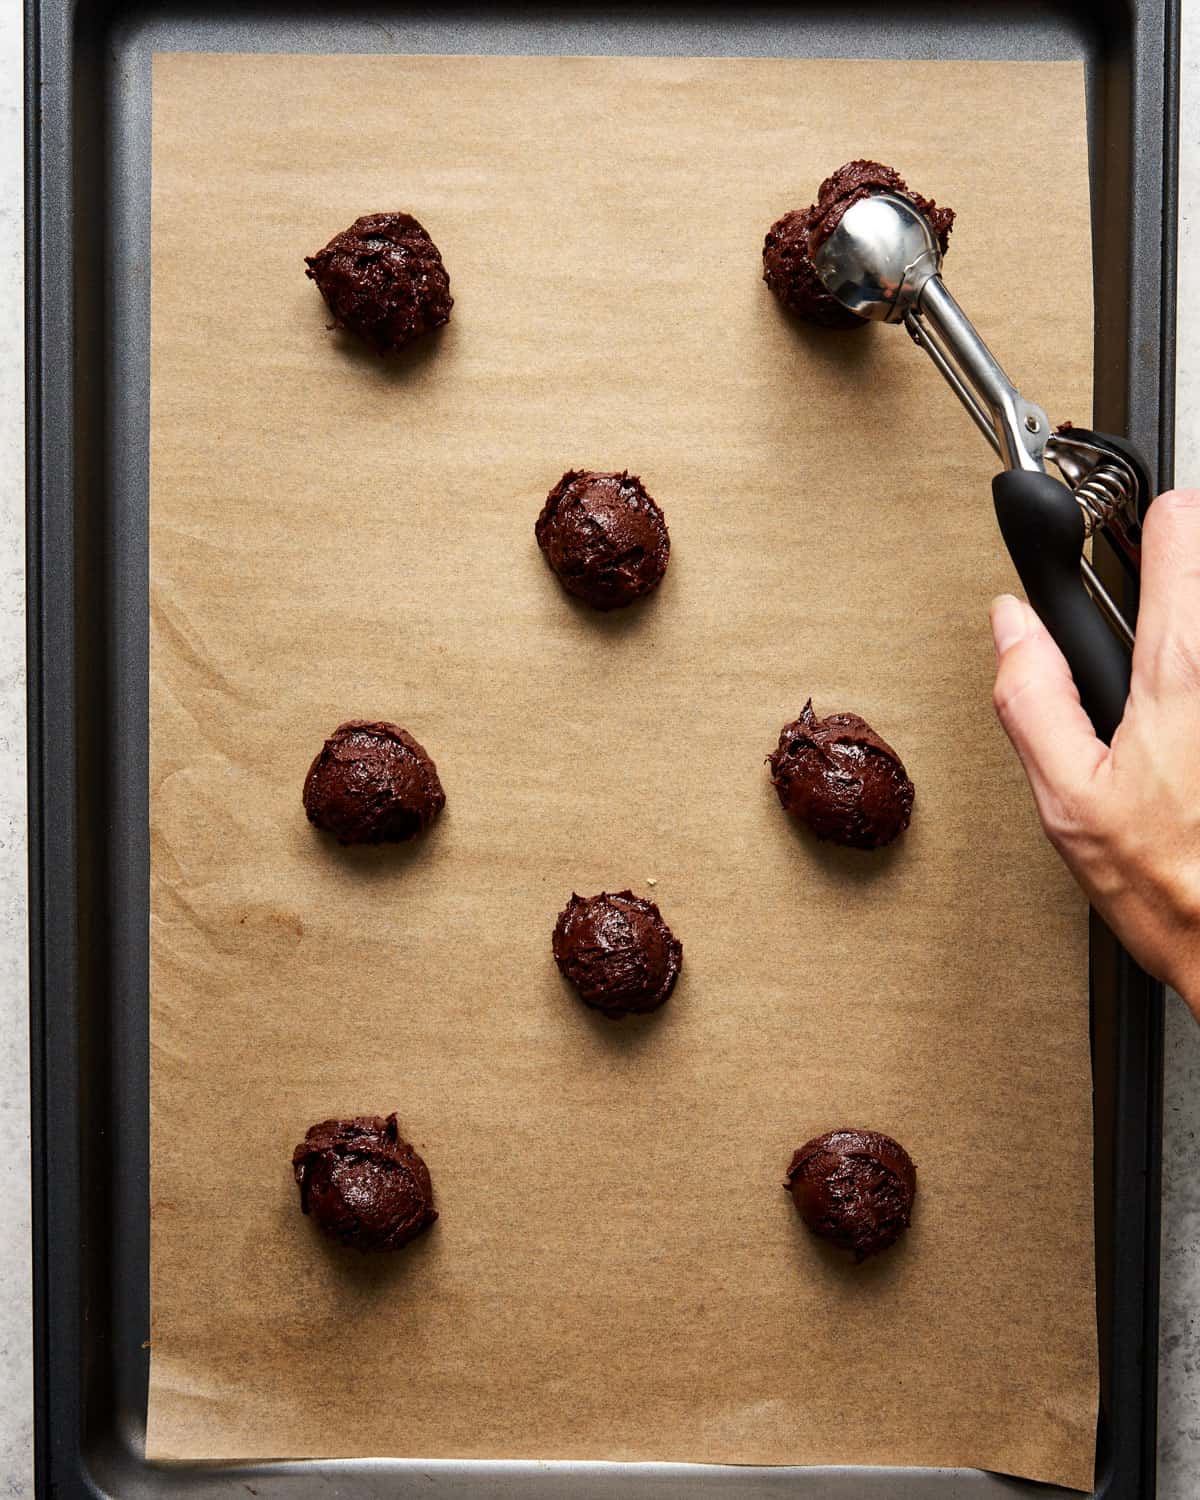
882 261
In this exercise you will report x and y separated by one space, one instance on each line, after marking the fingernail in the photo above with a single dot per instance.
1008 622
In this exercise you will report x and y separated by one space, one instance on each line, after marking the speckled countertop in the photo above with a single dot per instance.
1179 1413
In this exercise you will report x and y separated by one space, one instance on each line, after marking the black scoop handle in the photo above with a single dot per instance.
1042 527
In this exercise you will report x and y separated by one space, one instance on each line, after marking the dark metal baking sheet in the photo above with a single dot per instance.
88 138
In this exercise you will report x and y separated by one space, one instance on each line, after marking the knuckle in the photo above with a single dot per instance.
1013 681
1068 814
1099 836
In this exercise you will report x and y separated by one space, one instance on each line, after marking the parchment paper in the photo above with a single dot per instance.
617 1272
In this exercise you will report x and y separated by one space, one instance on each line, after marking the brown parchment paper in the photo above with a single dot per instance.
617 1272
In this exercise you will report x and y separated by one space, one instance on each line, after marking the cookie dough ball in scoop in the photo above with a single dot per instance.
788 267
854 1188
618 952
839 778
789 271
363 1184
384 280
604 537
864 179
372 783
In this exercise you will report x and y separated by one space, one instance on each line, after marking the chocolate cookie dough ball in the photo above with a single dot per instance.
789 272
372 784
383 279
854 1188
604 537
841 780
618 952
787 253
363 1184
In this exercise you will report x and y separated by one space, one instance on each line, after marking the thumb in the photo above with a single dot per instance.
1038 704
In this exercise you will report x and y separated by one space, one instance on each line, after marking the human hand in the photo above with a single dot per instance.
1125 817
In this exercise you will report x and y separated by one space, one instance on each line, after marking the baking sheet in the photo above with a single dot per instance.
617 1272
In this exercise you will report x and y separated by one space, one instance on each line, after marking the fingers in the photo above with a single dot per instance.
1168 627
1038 705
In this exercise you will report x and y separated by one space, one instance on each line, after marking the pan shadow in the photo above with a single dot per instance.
376 861
875 1276
615 624
371 1274
400 368
844 866
620 1034
844 349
